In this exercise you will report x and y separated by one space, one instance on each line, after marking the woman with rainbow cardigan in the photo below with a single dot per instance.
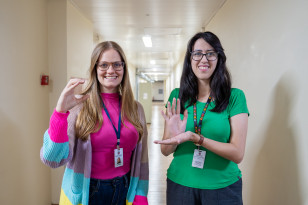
100 135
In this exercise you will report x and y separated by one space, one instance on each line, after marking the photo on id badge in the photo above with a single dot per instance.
118 157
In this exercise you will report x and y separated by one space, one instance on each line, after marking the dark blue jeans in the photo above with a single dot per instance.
178 194
109 192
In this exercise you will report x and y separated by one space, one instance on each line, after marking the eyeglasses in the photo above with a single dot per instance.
117 66
210 56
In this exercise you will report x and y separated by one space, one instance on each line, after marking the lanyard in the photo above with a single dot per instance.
118 132
198 126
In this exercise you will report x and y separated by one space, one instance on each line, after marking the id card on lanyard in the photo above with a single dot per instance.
199 155
118 152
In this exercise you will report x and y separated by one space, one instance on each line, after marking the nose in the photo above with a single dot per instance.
110 70
203 58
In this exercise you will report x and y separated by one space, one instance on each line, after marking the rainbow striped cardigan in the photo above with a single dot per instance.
77 154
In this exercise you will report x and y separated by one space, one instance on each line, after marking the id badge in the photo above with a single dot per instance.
199 158
118 157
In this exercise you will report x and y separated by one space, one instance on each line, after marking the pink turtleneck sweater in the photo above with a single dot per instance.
105 141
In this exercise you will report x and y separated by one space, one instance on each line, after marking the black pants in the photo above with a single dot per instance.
182 195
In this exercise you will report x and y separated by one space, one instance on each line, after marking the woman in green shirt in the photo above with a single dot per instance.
205 128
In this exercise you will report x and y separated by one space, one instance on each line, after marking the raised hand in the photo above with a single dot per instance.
67 99
174 126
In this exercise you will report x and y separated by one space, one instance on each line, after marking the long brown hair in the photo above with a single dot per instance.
90 118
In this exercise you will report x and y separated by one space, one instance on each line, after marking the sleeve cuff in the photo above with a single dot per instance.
58 127
140 200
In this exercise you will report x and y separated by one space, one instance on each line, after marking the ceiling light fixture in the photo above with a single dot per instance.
145 77
154 73
147 41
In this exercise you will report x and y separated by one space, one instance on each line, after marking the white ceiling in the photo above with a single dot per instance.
170 23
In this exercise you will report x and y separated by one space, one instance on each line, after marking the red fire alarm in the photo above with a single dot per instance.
44 80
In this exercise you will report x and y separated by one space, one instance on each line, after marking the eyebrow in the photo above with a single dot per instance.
108 62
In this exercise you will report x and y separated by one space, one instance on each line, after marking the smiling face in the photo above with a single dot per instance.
203 69
109 79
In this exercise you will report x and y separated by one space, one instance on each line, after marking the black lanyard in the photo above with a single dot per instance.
118 132
198 126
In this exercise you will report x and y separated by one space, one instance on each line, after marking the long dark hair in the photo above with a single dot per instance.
220 82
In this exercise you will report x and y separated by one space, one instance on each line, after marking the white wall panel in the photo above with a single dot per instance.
24 104
266 46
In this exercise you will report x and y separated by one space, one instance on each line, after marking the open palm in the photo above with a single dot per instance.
174 124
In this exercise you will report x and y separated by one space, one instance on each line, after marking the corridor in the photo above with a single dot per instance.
158 163
55 38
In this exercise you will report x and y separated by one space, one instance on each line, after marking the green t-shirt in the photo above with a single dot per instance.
217 172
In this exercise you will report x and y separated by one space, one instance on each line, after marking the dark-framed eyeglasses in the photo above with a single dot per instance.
198 55
117 66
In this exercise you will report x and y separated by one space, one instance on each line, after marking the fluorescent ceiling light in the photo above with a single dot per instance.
152 73
147 41
145 77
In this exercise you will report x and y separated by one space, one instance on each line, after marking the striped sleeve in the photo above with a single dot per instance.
55 151
143 184
139 182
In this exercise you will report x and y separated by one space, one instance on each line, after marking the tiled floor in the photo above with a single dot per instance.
158 163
